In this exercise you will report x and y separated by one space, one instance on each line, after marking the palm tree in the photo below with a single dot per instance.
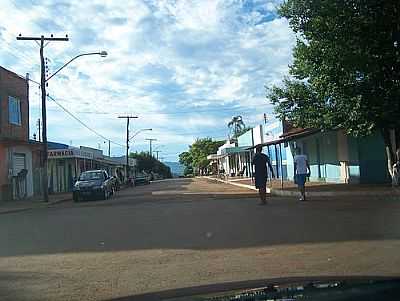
236 124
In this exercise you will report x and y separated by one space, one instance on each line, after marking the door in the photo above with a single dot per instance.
19 176
372 159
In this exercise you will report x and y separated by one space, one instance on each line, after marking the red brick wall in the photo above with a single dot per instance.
13 85
5 187
3 165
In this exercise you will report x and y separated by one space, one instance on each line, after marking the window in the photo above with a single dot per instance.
14 110
91 175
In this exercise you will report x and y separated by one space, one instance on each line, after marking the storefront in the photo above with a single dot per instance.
66 163
65 166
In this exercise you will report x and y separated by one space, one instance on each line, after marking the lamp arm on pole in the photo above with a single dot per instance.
138 132
70 61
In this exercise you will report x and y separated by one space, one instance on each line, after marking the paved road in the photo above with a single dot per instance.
183 233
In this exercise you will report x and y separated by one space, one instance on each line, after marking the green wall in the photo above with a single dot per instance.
367 158
372 159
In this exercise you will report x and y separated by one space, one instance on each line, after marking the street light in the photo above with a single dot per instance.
44 118
138 132
42 85
102 53
159 146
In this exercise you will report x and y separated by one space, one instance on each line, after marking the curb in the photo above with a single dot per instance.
40 204
14 210
59 201
290 193
234 184
215 194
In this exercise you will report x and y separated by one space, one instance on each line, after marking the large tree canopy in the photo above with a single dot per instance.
346 68
196 157
148 163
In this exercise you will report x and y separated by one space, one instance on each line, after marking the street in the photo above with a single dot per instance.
189 232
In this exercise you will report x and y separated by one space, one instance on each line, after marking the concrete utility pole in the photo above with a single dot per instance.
42 39
150 145
157 151
128 118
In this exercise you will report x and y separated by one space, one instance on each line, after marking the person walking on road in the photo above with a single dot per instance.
301 172
260 162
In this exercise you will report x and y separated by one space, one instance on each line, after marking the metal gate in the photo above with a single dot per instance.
19 176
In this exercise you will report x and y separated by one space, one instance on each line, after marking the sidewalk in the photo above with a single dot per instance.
15 206
316 189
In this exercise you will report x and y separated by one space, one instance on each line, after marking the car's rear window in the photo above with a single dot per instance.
86 176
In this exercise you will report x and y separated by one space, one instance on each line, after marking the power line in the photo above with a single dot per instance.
82 123
176 133
233 110
13 52
175 113
23 54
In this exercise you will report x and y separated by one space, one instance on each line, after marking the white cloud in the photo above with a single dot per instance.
165 56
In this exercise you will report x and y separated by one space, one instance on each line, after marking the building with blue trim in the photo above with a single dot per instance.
334 156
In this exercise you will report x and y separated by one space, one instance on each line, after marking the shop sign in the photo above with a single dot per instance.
69 153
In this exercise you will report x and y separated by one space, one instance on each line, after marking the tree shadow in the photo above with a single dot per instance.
10 291
198 223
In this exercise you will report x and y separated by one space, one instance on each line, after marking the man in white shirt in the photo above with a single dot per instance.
301 172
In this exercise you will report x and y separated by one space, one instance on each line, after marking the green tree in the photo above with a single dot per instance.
195 159
186 159
148 163
346 68
236 125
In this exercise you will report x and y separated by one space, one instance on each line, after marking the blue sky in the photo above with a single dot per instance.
184 67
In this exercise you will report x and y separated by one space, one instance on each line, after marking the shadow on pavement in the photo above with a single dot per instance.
7 280
196 223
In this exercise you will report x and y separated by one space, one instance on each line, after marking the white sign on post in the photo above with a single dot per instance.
132 162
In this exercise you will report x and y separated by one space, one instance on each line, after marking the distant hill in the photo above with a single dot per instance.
176 168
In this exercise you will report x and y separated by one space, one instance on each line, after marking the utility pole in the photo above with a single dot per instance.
157 151
38 125
42 39
128 118
150 145
109 148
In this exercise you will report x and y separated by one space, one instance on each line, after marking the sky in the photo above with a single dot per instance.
183 67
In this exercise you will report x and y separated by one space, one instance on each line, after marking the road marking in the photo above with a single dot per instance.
166 192
179 192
